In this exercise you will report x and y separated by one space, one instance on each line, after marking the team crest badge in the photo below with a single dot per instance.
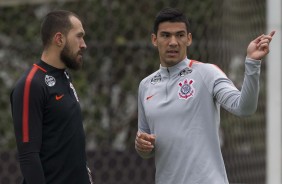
50 80
186 89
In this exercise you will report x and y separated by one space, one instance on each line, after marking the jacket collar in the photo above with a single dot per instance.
174 70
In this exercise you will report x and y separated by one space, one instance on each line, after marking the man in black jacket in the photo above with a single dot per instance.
45 107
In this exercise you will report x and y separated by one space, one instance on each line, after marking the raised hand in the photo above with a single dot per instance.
259 47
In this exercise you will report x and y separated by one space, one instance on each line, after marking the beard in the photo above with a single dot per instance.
70 59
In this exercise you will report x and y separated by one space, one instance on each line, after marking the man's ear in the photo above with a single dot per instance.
154 39
189 39
59 39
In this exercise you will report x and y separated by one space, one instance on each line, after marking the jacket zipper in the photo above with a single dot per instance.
167 83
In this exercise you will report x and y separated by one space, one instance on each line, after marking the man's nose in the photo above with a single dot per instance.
173 41
83 45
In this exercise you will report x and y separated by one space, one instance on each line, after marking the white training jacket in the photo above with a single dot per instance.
181 106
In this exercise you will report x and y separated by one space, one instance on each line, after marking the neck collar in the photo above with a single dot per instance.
174 70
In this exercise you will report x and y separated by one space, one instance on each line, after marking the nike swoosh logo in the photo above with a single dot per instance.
59 97
149 97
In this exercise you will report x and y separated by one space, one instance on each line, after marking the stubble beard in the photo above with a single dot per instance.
69 59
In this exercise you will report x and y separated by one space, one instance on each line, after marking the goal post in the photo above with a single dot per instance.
274 95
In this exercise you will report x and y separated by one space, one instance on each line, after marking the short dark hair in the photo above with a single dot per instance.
53 22
170 15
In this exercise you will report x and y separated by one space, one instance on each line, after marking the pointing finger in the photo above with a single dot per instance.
271 33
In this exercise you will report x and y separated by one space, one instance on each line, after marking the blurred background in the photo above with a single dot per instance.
119 56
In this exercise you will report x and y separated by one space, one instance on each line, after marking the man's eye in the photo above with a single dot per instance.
180 35
165 35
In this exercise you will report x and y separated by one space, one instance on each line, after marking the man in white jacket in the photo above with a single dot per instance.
179 105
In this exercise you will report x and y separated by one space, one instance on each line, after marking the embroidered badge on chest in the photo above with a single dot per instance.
50 80
156 79
185 71
186 90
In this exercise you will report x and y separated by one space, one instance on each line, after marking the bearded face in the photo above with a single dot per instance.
72 59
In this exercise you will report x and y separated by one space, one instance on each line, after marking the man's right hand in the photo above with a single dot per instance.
144 142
